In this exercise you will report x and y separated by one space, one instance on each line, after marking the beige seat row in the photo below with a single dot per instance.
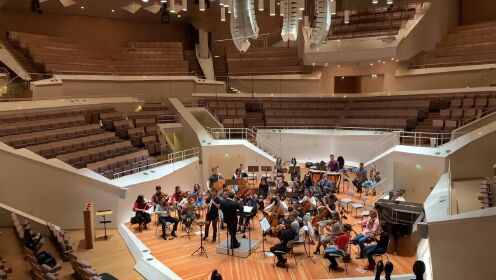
81 158
7 117
39 125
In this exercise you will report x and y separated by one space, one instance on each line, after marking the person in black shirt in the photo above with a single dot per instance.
230 210
212 216
379 248
263 192
288 234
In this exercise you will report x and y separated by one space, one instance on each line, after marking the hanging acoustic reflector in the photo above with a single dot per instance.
347 16
202 5
375 1
154 8
390 2
261 5
185 5
132 8
272 7
222 13
172 6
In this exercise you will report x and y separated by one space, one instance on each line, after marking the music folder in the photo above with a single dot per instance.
247 209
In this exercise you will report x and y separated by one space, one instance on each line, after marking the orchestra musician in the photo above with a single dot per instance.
278 167
371 228
230 210
244 221
199 200
278 207
307 181
212 216
281 188
163 210
237 177
333 226
316 191
307 203
286 235
187 210
333 165
196 189
330 200
177 196
325 184
361 177
157 196
375 249
263 192
141 206
339 249
214 178
375 177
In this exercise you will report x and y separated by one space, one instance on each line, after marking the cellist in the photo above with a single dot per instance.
214 181
308 203
278 209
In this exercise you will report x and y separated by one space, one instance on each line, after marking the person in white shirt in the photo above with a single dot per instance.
308 198
277 206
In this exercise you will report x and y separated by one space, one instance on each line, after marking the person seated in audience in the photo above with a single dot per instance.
379 248
157 196
163 211
308 202
177 196
141 206
263 192
31 240
333 165
287 235
325 184
212 216
333 227
371 227
214 178
340 248
361 177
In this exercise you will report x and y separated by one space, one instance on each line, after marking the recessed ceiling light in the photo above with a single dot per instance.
178 15
371 64
384 62
339 65
82 7
113 11
144 1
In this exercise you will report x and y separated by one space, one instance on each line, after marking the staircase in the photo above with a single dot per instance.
426 124
25 61
220 68
193 65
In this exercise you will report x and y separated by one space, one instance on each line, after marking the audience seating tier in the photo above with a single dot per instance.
128 164
81 158
39 125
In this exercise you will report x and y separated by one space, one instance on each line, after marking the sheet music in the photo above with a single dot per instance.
247 209
264 223
311 229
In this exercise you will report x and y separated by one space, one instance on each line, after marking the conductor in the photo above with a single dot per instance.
230 209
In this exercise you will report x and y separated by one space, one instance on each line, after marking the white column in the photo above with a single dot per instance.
222 13
185 5
272 7
261 5
202 5
347 16
203 39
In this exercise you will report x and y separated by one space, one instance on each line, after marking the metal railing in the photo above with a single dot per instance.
171 158
167 118
243 134
326 127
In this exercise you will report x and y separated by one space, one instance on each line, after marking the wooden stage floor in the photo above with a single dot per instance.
176 254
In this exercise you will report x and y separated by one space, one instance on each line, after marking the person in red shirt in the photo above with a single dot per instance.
141 207
331 252
177 196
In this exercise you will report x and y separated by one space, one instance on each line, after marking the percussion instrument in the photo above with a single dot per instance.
335 178
316 175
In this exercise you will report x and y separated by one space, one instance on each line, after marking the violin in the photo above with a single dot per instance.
321 215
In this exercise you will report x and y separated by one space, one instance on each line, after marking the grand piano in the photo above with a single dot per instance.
399 217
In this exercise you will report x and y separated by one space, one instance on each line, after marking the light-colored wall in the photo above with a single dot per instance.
94 32
317 145
474 160
456 255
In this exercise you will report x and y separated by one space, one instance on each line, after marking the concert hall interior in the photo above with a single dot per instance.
247 139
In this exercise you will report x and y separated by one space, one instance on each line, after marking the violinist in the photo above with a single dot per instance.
141 207
371 228
281 188
157 196
163 210
307 181
333 226
330 200
177 196
196 189
316 191
187 208
263 192
212 216
339 249
307 203
278 167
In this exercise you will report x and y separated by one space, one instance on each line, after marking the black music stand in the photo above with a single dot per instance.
263 225
252 170
201 249
103 214
266 169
